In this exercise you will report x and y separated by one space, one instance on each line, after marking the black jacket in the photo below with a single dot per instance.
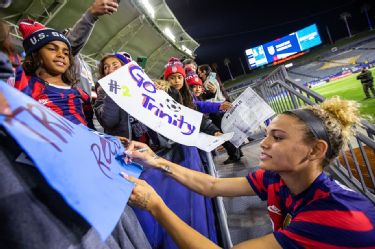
365 77
111 117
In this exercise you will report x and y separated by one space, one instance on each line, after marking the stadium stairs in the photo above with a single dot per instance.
304 74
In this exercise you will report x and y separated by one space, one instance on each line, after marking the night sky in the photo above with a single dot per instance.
227 28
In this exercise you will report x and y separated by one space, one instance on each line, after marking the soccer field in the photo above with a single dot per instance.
350 88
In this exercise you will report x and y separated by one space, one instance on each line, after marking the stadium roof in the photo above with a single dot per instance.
134 28
219 29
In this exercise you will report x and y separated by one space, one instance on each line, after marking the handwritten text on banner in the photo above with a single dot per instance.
81 165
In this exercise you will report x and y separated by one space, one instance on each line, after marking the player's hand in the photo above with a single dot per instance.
143 195
141 153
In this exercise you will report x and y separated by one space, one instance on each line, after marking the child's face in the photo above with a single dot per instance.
55 57
176 80
110 65
197 90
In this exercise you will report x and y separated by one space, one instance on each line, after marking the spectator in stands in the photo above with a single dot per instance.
367 82
79 34
194 209
196 87
195 83
7 48
307 208
190 63
215 110
214 90
47 73
111 117
6 70
37 217
213 93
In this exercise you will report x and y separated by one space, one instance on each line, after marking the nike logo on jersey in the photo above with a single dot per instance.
43 101
274 209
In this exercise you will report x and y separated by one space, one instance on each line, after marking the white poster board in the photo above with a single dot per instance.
249 111
135 93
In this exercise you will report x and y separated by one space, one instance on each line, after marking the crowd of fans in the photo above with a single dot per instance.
180 205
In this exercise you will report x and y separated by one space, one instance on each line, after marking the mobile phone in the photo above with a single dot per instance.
210 78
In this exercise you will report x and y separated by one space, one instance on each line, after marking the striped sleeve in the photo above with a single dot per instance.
330 229
22 82
259 181
87 108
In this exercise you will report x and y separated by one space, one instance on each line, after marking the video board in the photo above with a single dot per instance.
283 47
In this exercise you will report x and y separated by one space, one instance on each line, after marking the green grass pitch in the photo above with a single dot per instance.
350 88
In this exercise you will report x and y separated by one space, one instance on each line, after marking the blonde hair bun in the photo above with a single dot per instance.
337 110
344 111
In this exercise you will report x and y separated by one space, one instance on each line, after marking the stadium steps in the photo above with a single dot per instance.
247 216
303 74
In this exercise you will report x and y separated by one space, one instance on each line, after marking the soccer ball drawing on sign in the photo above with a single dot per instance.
172 105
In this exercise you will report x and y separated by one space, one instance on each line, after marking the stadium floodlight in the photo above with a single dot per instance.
169 33
188 51
148 8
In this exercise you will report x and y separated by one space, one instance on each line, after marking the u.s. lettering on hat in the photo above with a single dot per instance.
174 66
36 35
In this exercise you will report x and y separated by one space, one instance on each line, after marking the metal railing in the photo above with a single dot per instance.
354 167
221 213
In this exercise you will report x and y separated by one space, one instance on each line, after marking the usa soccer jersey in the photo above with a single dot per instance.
326 215
71 103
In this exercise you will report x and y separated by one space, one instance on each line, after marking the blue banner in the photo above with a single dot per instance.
281 48
81 165
308 37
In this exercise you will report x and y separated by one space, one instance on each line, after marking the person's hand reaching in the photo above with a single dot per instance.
225 106
103 7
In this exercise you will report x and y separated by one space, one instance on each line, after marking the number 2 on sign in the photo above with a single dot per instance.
125 91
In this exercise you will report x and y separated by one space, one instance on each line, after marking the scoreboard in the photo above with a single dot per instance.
283 47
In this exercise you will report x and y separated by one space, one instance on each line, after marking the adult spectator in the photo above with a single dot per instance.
6 70
9 54
215 90
214 93
79 34
190 63
215 110
367 82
